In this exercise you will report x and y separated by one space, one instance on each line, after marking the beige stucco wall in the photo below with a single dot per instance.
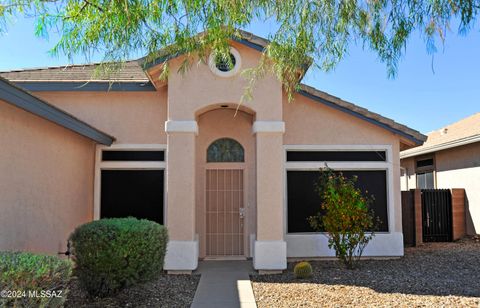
199 89
197 96
408 179
213 125
131 117
139 117
46 182
311 123
456 168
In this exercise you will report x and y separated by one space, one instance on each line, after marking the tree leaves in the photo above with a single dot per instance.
317 32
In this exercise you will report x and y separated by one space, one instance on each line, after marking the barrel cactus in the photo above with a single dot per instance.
303 270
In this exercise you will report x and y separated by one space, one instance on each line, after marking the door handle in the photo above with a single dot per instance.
241 211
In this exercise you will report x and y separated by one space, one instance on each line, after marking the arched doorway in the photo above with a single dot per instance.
224 203
225 184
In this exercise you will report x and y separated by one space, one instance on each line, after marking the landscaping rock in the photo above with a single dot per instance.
434 274
166 291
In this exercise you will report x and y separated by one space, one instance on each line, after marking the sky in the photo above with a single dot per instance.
427 93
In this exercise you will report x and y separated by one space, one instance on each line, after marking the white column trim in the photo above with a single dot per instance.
268 127
172 126
181 256
270 255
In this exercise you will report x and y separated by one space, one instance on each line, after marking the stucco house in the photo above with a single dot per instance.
228 184
450 158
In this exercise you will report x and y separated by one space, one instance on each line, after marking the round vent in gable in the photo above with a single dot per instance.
223 67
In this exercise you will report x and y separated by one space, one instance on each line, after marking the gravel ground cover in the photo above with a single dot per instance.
432 275
166 291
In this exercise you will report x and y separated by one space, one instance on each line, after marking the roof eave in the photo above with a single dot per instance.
439 147
21 98
85 86
248 39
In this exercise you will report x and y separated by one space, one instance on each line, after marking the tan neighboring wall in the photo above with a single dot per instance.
456 168
132 117
46 182
408 179
311 123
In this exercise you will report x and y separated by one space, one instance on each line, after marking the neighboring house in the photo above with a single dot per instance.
450 158
227 184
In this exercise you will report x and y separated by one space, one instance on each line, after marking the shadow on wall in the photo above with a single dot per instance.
470 227
438 269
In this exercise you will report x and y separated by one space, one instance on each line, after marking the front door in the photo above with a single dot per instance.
225 212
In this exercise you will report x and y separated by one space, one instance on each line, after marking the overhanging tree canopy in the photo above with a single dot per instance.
316 31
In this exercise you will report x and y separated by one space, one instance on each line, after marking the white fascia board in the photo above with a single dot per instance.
439 147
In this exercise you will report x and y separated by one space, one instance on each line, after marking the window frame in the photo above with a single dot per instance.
225 162
386 165
212 63
127 165
422 170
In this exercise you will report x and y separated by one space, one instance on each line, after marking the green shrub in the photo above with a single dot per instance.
32 280
114 253
346 217
303 270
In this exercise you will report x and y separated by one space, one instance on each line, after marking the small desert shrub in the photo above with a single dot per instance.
32 280
302 270
346 216
114 253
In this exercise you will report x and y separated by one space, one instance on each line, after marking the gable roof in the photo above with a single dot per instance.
84 74
130 72
132 77
21 98
81 77
246 38
460 133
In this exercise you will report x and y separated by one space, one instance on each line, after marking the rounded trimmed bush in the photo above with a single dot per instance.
114 253
303 270
35 280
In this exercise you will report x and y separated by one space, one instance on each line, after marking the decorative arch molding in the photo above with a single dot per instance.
225 150
225 105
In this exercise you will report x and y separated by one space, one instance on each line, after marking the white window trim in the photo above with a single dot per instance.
364 166
236 68
125 165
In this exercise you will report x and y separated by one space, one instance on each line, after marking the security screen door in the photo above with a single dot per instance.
225 212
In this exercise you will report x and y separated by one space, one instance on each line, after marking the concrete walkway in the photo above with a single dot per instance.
224 284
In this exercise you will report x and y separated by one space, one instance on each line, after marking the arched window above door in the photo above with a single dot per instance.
225 150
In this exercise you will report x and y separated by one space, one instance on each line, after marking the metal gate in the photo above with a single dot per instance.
437 215
225 212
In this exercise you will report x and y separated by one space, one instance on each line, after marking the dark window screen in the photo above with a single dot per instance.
137 193
304 201
336 156
133 155
425 163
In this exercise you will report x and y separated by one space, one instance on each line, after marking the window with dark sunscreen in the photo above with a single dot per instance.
299 156
425 163
111 155
304 201
225 150
136 193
